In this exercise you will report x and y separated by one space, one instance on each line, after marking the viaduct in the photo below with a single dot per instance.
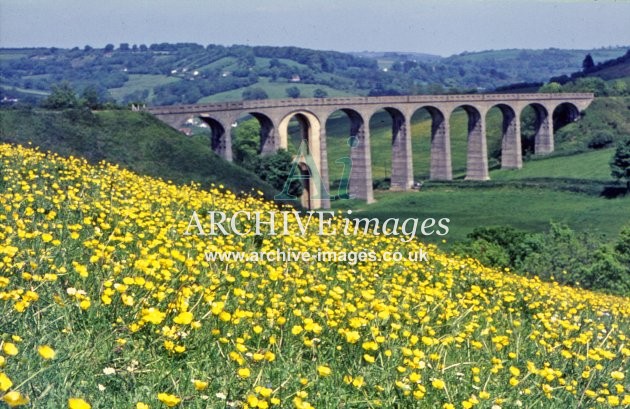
312 113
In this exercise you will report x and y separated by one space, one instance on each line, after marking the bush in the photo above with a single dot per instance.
560 254
602 139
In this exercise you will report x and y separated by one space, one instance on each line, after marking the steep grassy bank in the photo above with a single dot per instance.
133 140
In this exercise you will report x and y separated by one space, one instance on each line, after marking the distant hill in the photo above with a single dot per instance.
491 69
615 68
166 74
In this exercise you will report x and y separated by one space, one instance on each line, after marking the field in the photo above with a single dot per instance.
275 90
526 208
105 302
590 165
567 189
140 82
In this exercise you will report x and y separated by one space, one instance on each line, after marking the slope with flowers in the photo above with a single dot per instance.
104 302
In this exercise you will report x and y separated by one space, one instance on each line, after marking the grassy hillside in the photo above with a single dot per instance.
606 119
138 83
134 140
106 303
612 72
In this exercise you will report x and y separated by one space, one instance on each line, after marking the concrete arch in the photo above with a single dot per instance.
402 167
441 167
309 123
219 142
310 153
543 139
360 177
477 151
511 152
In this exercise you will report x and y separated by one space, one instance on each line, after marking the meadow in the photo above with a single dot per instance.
104 302
527 208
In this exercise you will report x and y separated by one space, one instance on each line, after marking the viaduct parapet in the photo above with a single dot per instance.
274 117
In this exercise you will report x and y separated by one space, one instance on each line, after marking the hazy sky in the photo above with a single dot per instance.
441 27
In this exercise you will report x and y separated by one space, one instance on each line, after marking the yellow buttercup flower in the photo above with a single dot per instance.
9 348
78 403
323 370
5 382
438 383
184 318
200 385
169 399
14 399
244 373
46 352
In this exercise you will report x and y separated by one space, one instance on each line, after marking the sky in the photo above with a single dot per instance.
442 27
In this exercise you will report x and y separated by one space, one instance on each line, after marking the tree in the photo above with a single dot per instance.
90 98
254 93
588 64
552 87
275 169
319 93
245 144
62 96
620 163
109 48
293 92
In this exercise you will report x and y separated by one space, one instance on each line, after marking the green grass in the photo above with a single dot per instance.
589 165
140 82
528 209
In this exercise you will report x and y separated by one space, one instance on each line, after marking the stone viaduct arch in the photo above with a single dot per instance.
312 113
316 171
